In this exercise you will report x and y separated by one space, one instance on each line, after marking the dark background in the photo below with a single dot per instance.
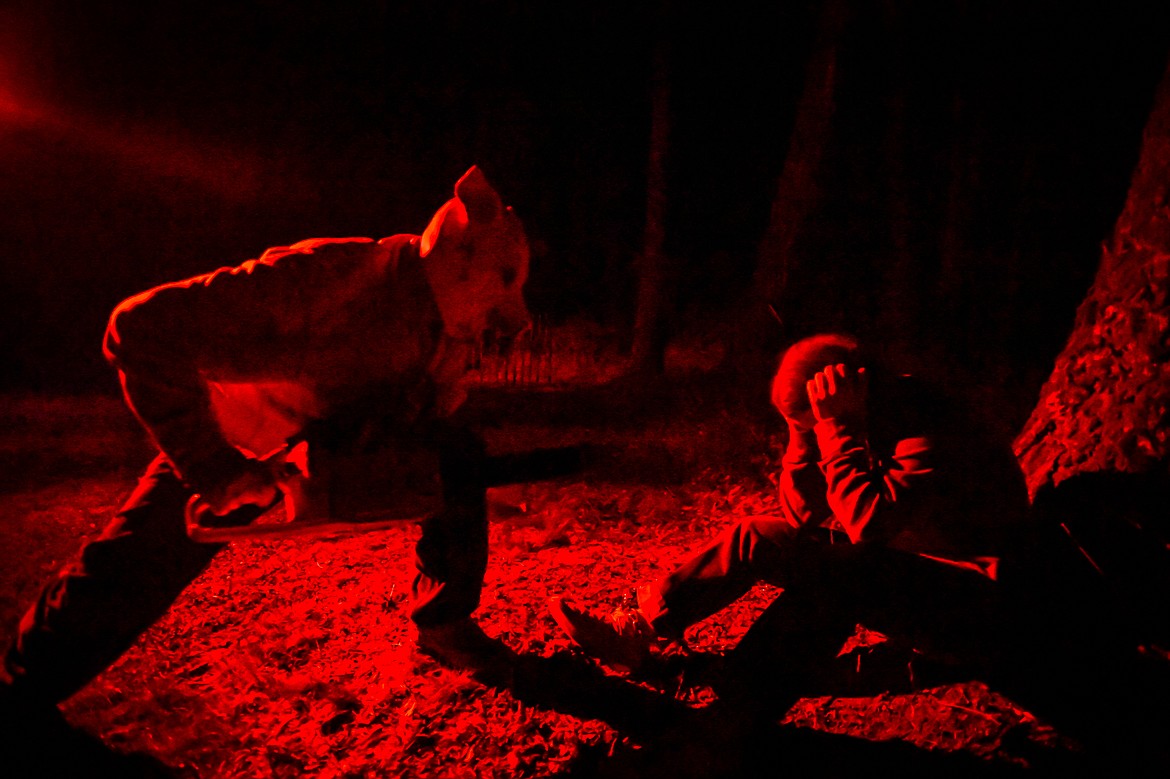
977 155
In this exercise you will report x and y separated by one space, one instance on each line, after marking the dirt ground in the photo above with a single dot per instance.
294 658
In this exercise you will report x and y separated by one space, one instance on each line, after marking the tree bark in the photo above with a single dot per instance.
1104 408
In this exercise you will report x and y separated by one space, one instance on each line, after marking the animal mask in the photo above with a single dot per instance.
476 258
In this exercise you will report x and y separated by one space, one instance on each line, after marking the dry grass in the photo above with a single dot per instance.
293 658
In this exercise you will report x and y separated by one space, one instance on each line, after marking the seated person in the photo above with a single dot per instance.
896 511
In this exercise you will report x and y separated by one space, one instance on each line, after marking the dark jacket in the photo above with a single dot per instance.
233 363
918 477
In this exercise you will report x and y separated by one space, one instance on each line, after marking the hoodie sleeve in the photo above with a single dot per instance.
802 484
872 497
245 322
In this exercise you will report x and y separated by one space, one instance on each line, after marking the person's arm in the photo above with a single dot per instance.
871 497
802 486
236 321
155 341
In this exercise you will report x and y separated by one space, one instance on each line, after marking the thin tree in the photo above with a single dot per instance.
797 194
648 351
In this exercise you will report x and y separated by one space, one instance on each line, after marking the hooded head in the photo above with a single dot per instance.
801 361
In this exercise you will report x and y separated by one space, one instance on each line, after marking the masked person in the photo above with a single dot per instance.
332 338
896 511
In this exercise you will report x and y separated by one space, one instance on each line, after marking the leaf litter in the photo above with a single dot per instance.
294 658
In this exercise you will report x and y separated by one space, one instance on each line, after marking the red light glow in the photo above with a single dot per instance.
151 151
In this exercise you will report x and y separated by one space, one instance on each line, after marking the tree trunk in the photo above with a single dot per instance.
648 351
1104 408
797 194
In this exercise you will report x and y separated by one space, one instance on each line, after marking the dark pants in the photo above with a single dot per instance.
124 580
829 588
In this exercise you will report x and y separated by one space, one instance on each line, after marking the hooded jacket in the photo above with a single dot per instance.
231 364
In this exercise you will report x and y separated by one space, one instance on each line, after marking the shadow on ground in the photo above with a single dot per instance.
678 741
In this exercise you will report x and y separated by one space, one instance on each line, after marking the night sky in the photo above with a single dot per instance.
140 144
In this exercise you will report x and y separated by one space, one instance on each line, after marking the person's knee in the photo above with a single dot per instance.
761 539
767 528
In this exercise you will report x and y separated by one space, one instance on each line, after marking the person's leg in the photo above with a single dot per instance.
450 558
749 551
117 587
451 555
826 583
754 549
950 613
788 650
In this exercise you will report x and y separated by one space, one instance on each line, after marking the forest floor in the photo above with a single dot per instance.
293 658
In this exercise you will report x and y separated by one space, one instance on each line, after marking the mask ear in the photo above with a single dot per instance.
450 218
483 203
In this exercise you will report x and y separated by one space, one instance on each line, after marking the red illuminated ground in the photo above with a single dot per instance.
293 658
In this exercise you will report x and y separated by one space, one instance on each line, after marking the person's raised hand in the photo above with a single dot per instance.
838 392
